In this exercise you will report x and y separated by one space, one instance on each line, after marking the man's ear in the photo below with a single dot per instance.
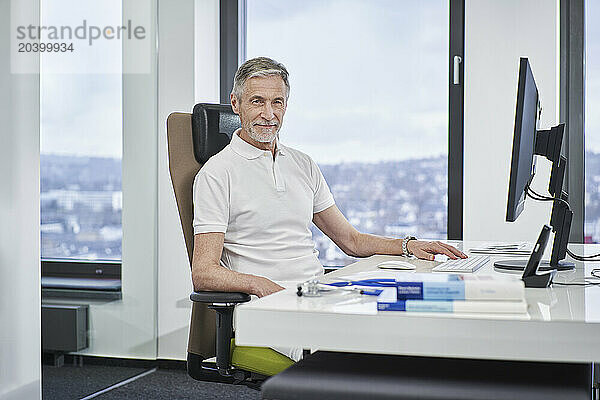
234 103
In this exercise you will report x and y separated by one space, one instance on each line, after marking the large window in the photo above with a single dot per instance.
592 122
81 136
369 103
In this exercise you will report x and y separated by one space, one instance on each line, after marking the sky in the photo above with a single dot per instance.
369 79
81 109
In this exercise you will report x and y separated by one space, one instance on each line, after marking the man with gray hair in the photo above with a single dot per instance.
254 201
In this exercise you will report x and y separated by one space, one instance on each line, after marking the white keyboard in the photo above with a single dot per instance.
462 265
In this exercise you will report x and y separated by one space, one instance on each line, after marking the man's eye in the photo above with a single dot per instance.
256 101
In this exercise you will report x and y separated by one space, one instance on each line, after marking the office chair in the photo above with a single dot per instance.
192 140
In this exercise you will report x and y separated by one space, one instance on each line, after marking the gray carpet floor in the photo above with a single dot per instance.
72 382
176 384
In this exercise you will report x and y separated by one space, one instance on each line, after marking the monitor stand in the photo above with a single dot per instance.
520 264
548 144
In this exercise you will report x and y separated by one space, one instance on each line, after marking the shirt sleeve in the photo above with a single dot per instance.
211 203
322 198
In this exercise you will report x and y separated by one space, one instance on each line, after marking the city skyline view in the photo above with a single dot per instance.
82 202
81 216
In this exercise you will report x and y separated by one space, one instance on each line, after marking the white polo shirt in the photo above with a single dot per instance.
265 206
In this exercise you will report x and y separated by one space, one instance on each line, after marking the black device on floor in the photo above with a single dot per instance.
528 141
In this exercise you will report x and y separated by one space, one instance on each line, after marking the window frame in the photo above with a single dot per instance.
233 51
229 40
572 108
456 104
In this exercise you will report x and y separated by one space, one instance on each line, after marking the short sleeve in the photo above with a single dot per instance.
211 202
323 198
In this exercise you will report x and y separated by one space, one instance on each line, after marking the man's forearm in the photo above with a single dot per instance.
367 245
221 279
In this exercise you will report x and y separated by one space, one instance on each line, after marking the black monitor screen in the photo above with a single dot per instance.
523 140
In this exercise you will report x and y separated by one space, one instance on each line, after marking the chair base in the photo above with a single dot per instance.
206 370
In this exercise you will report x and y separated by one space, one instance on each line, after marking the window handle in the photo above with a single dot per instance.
456 70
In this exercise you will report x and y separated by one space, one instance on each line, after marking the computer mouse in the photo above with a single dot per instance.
396 264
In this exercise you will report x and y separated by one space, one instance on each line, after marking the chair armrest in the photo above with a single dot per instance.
223 303
206 296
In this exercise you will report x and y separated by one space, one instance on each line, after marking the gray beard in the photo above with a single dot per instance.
262 138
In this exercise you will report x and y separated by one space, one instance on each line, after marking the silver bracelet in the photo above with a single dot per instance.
405 241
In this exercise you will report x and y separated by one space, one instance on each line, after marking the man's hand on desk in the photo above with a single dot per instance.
264 287
426 250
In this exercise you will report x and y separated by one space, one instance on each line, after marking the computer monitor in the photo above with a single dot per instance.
528 142
522 163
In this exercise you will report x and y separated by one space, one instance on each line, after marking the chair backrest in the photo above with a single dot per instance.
192 140
213 126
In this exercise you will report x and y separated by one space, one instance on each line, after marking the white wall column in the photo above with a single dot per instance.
20 358
188 70
497 33
176 93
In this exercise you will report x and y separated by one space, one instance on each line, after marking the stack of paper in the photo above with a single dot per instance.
518 249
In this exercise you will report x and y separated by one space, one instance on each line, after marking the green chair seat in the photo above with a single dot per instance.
261 360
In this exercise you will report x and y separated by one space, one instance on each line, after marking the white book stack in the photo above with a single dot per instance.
454 293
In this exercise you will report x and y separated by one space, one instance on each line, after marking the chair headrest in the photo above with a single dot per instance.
213 126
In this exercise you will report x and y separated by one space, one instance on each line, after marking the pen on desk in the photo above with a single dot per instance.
315 290
372 292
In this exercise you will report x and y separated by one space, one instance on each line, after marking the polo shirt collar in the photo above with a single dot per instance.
246 150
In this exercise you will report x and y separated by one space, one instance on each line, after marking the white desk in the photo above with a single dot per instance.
563 323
